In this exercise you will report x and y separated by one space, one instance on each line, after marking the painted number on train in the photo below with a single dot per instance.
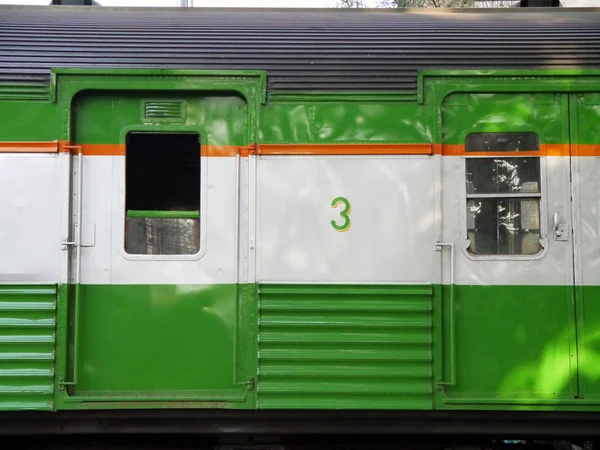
343 224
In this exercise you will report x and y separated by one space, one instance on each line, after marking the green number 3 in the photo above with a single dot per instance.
344 214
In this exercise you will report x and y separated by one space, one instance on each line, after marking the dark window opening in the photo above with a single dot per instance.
162 193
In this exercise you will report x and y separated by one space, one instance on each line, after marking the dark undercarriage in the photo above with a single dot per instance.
276 425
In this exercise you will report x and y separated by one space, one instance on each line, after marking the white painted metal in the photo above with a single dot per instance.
236 230
252 189
65 213
391 237
552 266
104 206
287 221
32 196
585 174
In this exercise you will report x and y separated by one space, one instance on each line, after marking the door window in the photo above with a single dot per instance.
162 193
503 195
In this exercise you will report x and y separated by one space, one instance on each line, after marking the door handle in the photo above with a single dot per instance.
558 229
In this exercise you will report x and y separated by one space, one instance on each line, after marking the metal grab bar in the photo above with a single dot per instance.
77 243
452 345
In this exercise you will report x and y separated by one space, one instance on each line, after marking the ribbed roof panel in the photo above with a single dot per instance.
302 50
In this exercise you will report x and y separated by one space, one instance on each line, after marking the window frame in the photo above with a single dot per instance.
121 209
466 242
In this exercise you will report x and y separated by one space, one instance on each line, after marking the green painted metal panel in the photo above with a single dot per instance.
588 342
29 121
362 347
25 91
513 344
183 343
588 118
344 122
469 113
27 339
291 118
318 346
223 117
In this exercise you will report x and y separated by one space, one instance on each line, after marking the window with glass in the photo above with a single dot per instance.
162 193
503 194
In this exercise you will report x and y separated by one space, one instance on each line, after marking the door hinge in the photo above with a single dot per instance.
250 384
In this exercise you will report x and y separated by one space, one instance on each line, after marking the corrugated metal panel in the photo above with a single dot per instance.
345 347
302 50
24 91
27 338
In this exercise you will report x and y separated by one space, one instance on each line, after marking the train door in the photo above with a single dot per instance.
510 333
154 315
585 136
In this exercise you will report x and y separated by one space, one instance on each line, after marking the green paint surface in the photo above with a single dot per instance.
588 341
342 122
512 343
106 117
587 115
181 343
215 102
469 113
27 339
356 347
306 346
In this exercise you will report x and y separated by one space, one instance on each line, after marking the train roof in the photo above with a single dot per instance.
301 50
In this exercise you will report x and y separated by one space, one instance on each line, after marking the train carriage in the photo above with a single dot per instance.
246 220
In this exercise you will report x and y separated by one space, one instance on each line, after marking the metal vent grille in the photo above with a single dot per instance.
164 110
24 91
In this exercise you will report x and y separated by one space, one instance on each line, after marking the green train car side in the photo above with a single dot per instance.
199 239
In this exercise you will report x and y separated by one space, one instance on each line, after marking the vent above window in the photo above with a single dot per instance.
167 111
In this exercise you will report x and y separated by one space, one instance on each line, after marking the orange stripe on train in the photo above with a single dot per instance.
345 149
30 147
307 149
545 150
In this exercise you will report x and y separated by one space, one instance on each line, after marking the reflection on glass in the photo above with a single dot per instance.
503 175
162 236
503 226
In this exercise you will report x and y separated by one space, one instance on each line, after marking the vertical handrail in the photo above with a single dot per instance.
78 260
77 244
452 381
237 217
236 258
